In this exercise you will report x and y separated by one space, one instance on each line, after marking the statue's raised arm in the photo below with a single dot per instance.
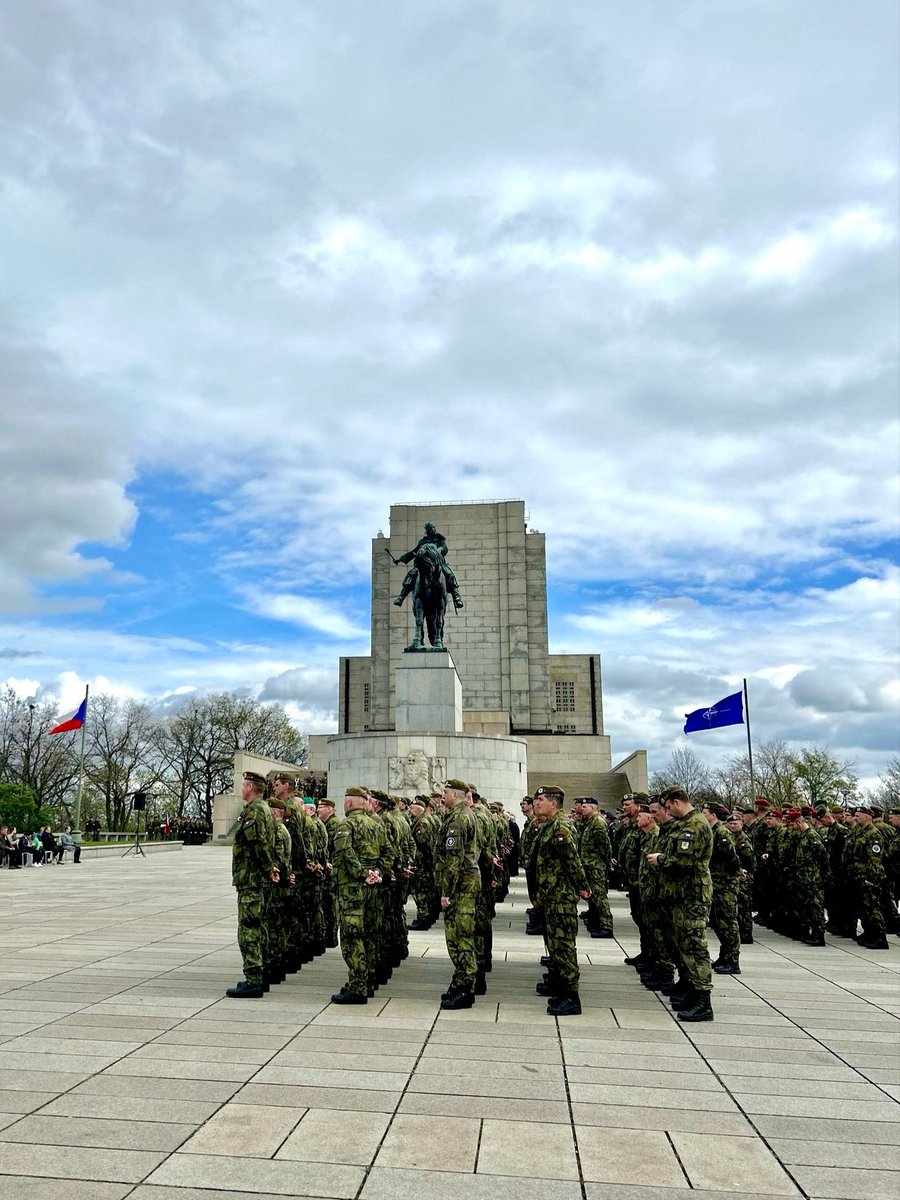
431 537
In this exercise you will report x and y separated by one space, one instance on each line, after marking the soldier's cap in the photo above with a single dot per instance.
807 810
721 810
761 803
274 802
527 800
495 806
327 801
590 800
792 814
550 789
876 810
775 812
384 800
821 810
284 776
894 810
255 778
671 793
357 791
644 808
456 785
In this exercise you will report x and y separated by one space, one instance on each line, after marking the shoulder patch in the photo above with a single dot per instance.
451 841
876 847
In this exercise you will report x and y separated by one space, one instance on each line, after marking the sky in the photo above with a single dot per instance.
268 268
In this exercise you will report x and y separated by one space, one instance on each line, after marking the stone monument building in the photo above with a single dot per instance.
540 713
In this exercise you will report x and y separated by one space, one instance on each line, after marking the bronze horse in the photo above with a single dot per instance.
429 599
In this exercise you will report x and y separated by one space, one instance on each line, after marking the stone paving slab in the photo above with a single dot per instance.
143 1082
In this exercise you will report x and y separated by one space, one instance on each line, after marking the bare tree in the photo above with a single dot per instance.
685 769
888 790
118 760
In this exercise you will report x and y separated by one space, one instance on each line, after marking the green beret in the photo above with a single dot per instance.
284 776
382 797
456 785
550 789
274 802
359 792
329 803
255 778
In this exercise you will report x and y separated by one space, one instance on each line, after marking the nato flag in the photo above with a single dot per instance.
729 711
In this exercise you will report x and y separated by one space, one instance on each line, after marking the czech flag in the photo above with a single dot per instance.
74 722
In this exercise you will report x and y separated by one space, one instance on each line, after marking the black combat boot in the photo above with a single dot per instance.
814 939
727 968
346 997
602 933
636 960
684 1000
747 940
568 1005
462 998
545 960
480 985
701 1010
549 986
873 943
246 991
450 992
657 982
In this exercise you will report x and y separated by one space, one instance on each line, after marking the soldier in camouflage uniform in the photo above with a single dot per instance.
330 822
304 867
488 863
725 872
864 857
357 869
892 867
834 837
459 881
595 851
422 880
628 856
686 889
747 858
253 869
559 881
534 920
811 867
279 907
661 976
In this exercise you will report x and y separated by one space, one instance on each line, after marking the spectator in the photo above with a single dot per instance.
67 842
37 849
10 854
48 845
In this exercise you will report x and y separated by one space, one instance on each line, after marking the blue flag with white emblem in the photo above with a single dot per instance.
729 711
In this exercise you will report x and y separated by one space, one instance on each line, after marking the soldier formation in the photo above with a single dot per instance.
304 876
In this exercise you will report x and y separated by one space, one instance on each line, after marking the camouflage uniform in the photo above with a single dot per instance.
423 880
487 852
810 870
329 887
253 860
559 877
278 908
457 876
358 848
686 890
725 872
595 850
747 857
864 857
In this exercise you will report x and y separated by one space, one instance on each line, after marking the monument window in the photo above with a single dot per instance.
565 696
566 729
366 691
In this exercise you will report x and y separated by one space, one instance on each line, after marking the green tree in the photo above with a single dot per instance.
823 779
19 807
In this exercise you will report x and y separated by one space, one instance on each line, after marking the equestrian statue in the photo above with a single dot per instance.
430 579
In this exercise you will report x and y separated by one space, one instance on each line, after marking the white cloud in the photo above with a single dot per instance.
322 616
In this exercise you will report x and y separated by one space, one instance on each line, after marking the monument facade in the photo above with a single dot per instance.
495 705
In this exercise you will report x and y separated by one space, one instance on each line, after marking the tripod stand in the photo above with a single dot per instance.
136 849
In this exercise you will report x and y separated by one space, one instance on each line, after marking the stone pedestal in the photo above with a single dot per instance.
428 694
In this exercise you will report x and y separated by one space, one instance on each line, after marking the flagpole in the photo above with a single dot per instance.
81 764
749 743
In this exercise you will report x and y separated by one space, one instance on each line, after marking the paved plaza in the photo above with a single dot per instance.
125 1073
